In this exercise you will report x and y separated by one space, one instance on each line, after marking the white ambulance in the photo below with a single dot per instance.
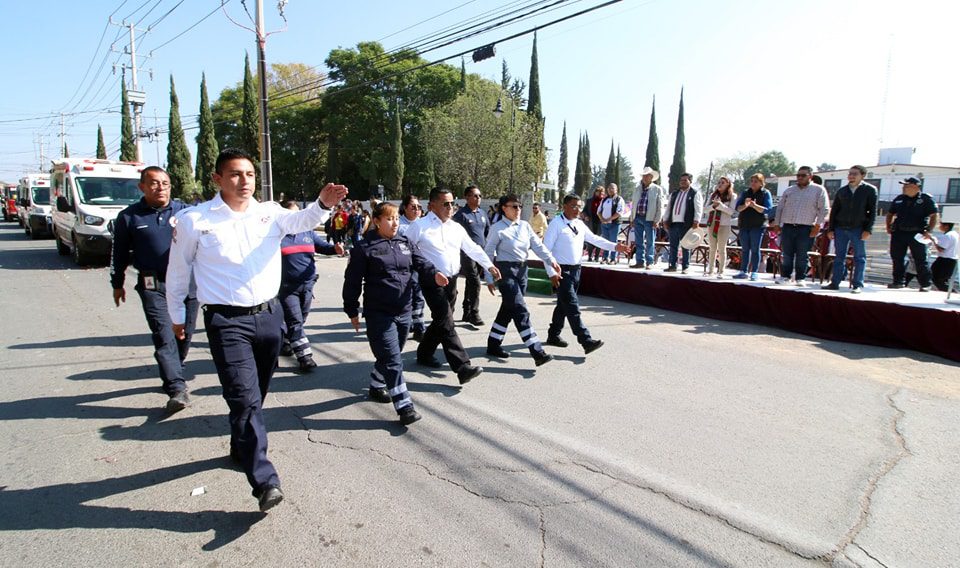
33 205
87 195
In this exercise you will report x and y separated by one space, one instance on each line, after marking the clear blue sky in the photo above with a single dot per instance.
808 78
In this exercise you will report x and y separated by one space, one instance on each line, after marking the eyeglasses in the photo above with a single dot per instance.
577 206
447 204
155 183
414 206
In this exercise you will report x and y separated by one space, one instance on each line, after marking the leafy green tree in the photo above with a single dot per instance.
598 176
463 76
627 181
653 144
178 155
826 167
733 168
585 168
515 88
679 165
563 172
207 147
128 146
534 106
250 115
770 163
101 147
610 173
394 185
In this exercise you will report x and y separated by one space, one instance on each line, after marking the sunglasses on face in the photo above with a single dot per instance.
447 204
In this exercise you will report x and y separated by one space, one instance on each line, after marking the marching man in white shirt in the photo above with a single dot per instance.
232 245
564 239
440 240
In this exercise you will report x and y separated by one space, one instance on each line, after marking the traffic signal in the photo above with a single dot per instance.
485 52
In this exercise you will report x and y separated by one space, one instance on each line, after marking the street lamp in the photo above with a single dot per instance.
498 112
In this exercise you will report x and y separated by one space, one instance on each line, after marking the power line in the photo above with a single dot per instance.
212 12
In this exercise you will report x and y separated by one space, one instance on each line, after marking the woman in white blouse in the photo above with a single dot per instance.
721 210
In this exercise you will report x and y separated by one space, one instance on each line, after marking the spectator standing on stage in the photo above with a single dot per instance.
508 244
383 265
722 206
441 241
802 210
683 213
592 218
538 221
564 239
477 225
410 211
852 215
753 205
611 208
142 235
298 274
946 262
649 201
232 245
911 213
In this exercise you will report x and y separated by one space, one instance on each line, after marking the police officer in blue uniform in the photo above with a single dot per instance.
911 213
477 225
142 235
382 265
508 244
298 275
232 245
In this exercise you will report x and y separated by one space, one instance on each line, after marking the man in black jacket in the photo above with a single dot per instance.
852 216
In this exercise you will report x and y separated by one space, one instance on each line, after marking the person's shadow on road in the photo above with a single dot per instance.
66 506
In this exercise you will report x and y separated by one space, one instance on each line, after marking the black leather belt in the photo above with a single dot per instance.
234 311
797 226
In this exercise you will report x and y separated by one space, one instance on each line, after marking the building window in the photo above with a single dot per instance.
953 190
832 185
875 182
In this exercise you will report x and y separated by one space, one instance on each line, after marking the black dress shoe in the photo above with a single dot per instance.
556 341
381 395
474 320
285 350
432 363
830 286
542 358
670 269
408 415
307 364
591 346
178 401
468 372
497 351
894 286
270 497
418 335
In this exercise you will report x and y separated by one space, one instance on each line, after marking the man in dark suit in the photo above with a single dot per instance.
686 208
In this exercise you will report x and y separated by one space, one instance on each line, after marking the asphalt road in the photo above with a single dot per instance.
682 442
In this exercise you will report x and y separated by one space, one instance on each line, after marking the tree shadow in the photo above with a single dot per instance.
65 506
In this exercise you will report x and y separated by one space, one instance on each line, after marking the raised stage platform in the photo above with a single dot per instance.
905 319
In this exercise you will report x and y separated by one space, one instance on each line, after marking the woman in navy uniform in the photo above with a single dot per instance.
382 267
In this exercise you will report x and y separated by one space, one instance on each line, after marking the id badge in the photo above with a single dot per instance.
149 283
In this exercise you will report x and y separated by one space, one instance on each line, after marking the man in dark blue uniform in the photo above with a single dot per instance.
142 235
477 225
299 274
911 213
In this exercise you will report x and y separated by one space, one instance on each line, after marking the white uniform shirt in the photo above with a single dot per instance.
564 239
235 256
441 244
607 208
948 241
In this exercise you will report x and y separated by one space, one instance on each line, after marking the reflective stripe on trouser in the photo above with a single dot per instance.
387 334
245 350
296 306
169 351
513 285
568 305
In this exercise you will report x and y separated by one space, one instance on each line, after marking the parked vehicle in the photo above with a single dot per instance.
88 194
33 205
9 198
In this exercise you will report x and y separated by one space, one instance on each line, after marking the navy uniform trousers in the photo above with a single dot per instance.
296 306
513 286
442 330
417 305
169 351
387 334
245 350
900 243
568 305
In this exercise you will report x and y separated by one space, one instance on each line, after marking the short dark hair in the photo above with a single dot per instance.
687 175
228 154
859 168
383 208
151 169
407 200
536 205
286 203
816 179
436 192
949 226
508 198
570 197
469 187
808 169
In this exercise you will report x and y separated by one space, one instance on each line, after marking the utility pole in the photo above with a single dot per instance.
266 168
136 97
156 130
61 136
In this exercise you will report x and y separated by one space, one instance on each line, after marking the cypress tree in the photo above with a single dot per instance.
66 151
653 145
207 146
563 173
250 117
533 96
178 155
616 171
395 173
128 147
504 75
577 167
679 164
101 147
463 76
586 173
611 173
